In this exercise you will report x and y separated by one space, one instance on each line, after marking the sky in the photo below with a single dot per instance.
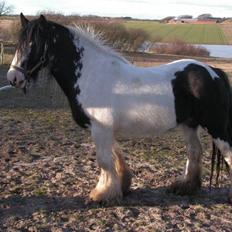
143 9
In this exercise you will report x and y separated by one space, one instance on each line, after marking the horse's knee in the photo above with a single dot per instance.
103 140
105 161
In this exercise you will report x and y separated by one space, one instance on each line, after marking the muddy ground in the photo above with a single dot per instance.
48 167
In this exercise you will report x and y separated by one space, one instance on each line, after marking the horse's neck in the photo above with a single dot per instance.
93 57
78 58
64 61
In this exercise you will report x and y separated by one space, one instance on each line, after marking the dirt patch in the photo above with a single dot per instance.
48 167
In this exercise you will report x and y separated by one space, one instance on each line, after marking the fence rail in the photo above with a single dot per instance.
6 48
1 53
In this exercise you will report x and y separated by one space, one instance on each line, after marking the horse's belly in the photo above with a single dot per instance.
145 121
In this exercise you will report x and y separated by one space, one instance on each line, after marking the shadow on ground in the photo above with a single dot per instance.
23 206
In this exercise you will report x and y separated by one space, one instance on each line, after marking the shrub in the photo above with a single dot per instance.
119 37
179 47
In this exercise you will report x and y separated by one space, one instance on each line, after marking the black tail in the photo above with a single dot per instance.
217 156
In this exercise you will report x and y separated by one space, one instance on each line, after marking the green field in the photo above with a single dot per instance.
191 33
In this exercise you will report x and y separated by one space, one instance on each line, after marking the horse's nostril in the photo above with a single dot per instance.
12 83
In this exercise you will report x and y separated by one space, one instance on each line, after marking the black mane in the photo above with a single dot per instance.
32 31
64 59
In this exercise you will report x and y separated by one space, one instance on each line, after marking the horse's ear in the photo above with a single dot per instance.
24 20
42 19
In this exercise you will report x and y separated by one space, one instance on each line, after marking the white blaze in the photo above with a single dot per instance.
13 75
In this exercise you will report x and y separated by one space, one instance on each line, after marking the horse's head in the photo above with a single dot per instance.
31 53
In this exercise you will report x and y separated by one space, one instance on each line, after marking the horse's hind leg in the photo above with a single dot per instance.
226 151
190 182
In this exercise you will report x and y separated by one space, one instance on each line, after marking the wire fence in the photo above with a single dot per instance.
45 93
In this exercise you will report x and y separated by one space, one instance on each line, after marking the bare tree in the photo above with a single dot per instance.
5 8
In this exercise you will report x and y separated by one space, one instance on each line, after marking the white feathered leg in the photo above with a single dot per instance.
226 151
191 180
109 186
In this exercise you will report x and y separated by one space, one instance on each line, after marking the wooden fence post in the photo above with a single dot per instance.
1 53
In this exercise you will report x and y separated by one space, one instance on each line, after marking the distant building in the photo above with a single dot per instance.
201 19
182 20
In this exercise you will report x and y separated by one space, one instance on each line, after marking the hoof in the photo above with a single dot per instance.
230 200
126 182
105 196
230 197
96 196
184 187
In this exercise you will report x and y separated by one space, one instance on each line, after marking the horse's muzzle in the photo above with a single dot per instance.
16 78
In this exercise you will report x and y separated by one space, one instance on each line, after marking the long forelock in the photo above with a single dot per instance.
96 38
26 34
24 37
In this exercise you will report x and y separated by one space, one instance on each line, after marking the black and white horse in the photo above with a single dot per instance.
115 99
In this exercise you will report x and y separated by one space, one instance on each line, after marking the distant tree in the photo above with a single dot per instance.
185 17
127 18
167 19
5 8
204 16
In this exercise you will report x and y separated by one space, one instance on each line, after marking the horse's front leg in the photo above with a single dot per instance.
109 185
190 182
122 169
